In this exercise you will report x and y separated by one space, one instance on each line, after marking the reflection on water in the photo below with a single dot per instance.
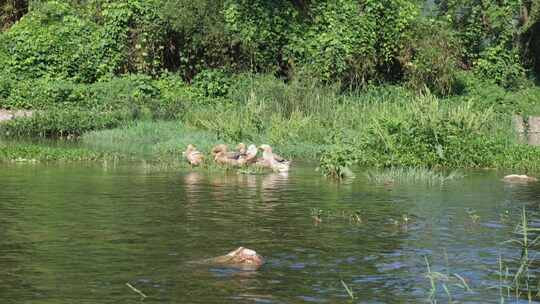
78 234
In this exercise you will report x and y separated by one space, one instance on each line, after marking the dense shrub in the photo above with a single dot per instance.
331 44
431 60
339 156
212 83
130 91
501 66
52 41
347 41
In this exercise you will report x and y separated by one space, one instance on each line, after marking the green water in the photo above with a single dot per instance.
78 233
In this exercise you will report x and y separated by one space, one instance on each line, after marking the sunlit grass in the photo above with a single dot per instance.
156 139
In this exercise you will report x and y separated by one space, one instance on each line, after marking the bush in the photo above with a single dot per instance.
339 156
500 65
331 44
52 41
431 62
426 133
212 83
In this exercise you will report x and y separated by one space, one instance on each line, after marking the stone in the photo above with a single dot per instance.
533 133
519 178
6 115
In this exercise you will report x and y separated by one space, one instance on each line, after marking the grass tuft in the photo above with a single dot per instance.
411 175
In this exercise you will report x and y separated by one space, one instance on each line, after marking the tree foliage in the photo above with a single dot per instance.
352 42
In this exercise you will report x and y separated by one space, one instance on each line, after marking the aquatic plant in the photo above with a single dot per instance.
444 280
349 291
473 215
523 280
411 175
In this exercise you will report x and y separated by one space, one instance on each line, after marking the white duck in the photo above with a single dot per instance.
249 156
273 161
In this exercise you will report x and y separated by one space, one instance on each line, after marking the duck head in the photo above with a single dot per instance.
241 147
219 148
190 148
252 150
265 148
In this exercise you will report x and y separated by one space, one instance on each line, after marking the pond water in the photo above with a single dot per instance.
77 233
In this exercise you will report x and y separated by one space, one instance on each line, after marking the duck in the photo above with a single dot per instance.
222 155
273 161
238 158
240 258
224 158
250 155
241 148
225 149
193 156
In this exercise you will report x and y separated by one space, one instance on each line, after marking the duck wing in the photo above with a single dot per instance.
233 155
279 158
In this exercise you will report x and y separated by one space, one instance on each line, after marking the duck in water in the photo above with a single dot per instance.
193 156
273 161
240 258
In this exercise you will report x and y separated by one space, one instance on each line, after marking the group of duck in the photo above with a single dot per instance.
241 157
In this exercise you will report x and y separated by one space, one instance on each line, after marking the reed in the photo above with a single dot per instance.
439 280
524 282
349 291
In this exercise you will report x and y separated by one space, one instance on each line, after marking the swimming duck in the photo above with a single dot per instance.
241 258
273 161
193 156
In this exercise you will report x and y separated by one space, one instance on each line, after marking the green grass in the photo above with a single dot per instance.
40 153
156 139
411 175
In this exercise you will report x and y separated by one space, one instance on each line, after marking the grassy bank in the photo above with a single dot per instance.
383 126
40 153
